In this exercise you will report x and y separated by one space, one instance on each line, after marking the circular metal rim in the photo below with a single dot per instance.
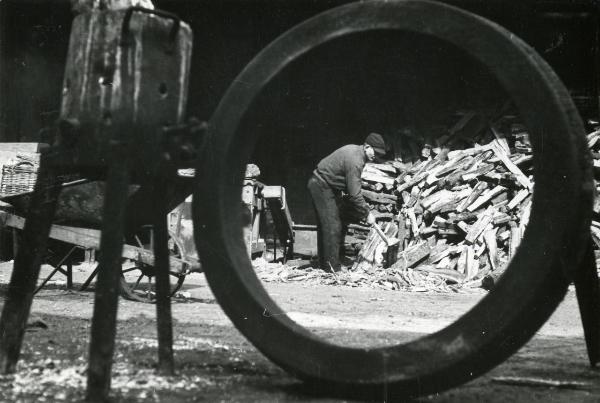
501 322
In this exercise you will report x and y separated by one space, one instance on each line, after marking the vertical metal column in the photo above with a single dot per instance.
27 264
164 324
104 321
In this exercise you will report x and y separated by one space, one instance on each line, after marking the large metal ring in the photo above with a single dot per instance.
537 277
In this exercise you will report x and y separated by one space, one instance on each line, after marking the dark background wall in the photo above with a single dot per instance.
335 95
340 92
33 42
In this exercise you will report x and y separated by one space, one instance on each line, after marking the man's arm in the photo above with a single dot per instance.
353 187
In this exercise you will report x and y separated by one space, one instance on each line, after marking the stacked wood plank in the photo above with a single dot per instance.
594 145
459 211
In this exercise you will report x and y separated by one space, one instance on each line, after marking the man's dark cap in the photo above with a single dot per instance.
376 141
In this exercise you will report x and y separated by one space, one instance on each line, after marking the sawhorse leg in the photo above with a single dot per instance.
26 269
104 321
164 323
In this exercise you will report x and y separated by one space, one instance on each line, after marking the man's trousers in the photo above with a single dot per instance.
326 202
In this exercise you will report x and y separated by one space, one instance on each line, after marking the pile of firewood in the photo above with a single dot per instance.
457 212
594 145
453 212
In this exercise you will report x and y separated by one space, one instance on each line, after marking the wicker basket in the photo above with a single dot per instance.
18 178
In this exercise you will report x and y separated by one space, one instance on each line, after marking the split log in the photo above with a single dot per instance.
449 232
458 163
427 231
402 234
375 177
478 161
399 166
489 236
482 170
410 212
440 222
379 216
427 167
417 167
388 169
486 197
444 208
501 198
461 265
477 190
434 176
472 264
501 139
444 263
502 143
428 191
447 252
463 226
523 148
414 196
442 194
504 235
401 178
379 197
469 151
480 248
521 178
452 180
501 218
450 202
411 256
83 6
465 216
519 197
515 238
451 275
405 197
374 247
525 212
413 181
523 159
477 229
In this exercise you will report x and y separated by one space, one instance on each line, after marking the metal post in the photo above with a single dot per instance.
26 269
106 300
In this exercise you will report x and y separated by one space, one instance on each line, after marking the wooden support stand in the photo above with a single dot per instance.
126 78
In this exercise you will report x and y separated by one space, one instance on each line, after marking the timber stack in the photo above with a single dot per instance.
594 145
459 207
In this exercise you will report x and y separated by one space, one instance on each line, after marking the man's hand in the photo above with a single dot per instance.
370 218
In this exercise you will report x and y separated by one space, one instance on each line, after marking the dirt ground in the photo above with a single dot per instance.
215 363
